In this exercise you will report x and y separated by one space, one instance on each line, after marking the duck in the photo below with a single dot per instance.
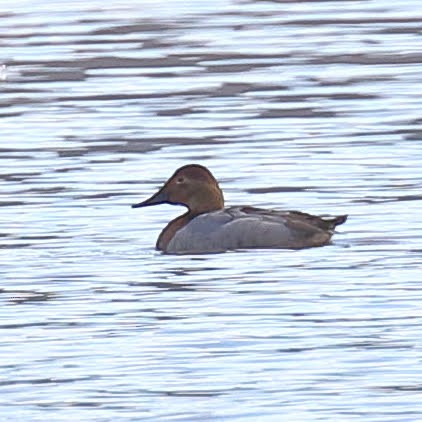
209 227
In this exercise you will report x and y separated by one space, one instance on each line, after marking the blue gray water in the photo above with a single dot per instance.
308 105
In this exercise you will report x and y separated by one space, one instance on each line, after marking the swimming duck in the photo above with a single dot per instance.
208 227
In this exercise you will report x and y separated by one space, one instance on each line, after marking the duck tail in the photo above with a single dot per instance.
336 221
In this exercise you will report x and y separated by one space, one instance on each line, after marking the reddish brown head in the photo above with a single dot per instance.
192 186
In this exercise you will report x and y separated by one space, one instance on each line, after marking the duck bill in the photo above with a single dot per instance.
160 197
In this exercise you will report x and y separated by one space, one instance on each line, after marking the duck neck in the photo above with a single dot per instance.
207 200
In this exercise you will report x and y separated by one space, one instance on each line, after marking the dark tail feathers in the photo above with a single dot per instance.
336 221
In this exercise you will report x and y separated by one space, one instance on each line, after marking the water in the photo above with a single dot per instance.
307 105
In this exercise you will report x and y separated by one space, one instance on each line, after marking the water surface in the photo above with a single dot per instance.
309 105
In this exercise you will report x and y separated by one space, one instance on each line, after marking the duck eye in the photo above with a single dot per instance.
180 180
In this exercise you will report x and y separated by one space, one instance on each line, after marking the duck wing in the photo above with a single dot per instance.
322 222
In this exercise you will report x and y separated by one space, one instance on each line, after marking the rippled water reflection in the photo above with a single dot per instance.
308 105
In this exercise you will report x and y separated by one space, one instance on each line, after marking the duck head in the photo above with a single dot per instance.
192 186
